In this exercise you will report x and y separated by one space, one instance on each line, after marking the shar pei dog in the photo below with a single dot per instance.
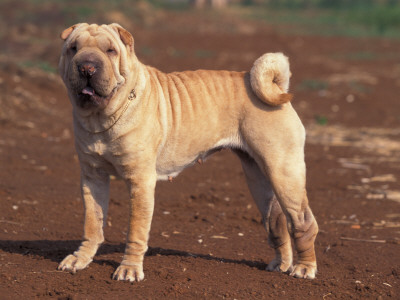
140 124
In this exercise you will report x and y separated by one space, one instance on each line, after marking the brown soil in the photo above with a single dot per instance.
207 241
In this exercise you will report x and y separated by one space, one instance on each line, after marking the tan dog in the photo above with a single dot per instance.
138 123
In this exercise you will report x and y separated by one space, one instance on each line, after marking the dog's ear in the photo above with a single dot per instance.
66 33
124 35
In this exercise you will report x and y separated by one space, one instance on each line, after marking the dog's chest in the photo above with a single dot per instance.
98 155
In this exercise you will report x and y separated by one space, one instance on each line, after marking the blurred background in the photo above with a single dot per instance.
177 34
207 235
358 18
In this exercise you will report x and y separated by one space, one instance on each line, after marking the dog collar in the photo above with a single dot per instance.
132 95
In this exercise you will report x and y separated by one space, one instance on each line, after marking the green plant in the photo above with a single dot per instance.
359 87
312 84
330 17
146 51
362 55
43 65
321 120
171 51
204 53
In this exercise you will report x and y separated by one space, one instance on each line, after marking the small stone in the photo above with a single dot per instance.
335 108
350 98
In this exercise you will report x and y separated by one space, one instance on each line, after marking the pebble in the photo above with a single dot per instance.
350 98
221 237
335 108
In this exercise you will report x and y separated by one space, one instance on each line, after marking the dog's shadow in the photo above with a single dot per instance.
56 250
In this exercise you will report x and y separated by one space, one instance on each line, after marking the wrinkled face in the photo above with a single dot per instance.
95 63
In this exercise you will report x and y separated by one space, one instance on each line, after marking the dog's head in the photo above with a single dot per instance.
96 62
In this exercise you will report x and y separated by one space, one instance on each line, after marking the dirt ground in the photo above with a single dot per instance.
206 241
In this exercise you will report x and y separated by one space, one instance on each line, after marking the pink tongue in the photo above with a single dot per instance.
88 91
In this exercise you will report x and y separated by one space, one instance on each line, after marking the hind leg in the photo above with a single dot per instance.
278 148
279 239
273 218
287 173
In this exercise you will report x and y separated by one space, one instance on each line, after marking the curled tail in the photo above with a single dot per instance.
269 78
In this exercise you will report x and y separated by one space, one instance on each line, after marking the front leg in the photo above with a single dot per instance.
95 194
141 188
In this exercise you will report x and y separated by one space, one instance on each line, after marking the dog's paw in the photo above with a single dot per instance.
277 265
133 272
304 271
73 263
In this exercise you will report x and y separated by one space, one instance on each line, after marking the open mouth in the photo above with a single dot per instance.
88 98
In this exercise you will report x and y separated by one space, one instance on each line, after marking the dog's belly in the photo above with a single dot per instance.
169 165
165 172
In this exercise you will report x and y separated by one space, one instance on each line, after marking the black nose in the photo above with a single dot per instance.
87 69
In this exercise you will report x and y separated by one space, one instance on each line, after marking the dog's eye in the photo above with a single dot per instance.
73 49
111 51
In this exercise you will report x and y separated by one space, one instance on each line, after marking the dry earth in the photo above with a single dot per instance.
206 241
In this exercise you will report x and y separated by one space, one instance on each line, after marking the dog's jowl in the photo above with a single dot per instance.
138 123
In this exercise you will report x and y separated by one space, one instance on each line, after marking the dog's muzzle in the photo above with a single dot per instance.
87 69
87 96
